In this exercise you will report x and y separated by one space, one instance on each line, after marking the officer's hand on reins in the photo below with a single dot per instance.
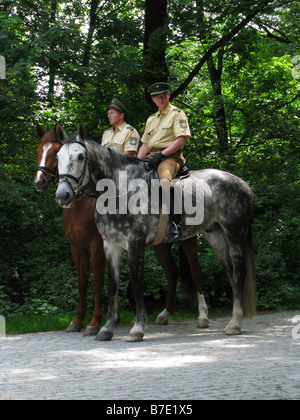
155 161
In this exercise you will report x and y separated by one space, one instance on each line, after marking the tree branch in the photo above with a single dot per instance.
282 38
198 111
224 40
290 102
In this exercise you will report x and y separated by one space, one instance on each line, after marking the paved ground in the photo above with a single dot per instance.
174 362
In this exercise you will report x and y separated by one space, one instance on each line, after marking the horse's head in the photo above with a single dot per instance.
47 158
72 166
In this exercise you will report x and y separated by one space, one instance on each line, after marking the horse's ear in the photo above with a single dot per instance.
39 131
60 134
81 131
54 128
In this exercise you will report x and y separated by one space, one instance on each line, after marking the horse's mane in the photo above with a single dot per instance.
115 155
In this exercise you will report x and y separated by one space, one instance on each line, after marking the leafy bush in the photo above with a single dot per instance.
276 239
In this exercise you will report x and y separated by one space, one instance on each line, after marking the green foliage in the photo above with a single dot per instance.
276 239
33 248
65 61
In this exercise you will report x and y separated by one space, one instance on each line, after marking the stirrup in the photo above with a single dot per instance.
174 231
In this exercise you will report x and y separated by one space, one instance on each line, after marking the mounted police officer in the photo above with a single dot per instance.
121 136
165 135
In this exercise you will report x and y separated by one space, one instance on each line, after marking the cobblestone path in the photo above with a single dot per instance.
174 362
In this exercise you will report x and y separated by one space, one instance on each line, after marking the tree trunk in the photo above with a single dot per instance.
52 62
155 41
92 27
215 75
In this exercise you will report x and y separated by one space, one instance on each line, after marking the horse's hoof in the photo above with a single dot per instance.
233 330
104 336
203 323
161 320
91 330
135 337
73 328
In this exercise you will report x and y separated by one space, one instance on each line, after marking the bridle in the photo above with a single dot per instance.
78 180
45 170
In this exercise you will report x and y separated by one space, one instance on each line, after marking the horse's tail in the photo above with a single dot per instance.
249 293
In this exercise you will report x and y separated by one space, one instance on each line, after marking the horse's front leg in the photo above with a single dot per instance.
98 266
113 255
136 254
238 278
82 261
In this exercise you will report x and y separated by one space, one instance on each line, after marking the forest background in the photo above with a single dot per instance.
233 66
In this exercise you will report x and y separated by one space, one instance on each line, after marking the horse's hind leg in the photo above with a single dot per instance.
243 280
190 249
238 276
230 255
165 259
81 259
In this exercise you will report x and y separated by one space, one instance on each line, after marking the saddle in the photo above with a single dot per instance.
181 174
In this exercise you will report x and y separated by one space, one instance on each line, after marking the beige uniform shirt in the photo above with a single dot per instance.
163 128
124 138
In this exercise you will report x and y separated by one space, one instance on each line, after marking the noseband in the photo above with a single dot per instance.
79 180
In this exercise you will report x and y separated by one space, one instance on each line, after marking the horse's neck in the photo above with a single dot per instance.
106 163
98 157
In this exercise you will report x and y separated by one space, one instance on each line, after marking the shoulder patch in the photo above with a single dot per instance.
133 141
183 123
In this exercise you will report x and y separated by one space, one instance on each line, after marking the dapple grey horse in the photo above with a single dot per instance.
222 205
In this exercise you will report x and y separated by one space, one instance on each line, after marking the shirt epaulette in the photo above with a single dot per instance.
129 127
177 109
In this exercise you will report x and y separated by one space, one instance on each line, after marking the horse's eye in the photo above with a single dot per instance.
81 157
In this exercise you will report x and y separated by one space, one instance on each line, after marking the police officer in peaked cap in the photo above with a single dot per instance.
121 136
164 137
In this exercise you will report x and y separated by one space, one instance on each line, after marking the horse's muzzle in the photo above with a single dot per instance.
41 185
64 195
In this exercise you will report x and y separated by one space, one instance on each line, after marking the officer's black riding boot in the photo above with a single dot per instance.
174 219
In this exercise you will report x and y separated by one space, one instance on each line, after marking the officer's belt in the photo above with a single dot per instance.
157 149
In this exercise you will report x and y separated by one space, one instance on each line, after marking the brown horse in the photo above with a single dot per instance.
80 228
